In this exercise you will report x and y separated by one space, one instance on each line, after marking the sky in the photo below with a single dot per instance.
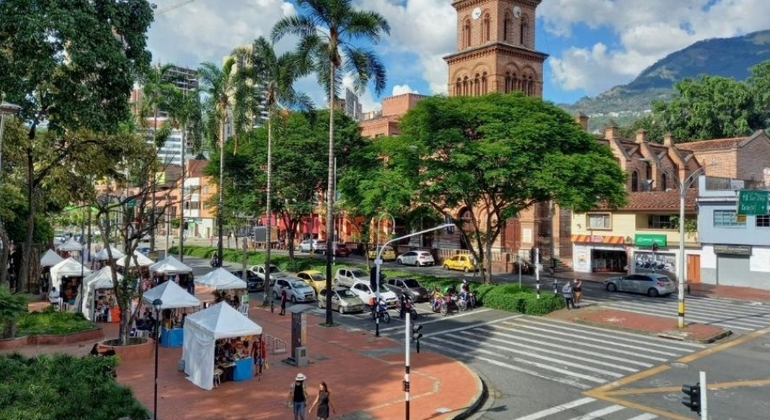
593 45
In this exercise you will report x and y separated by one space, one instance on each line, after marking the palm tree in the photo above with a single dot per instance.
275 80
224 86
326 35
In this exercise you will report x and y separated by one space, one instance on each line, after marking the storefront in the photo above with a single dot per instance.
599 254
652 254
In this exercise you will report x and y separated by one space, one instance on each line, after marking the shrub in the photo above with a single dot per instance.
52 322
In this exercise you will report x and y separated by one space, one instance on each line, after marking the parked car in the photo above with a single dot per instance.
253 281
296 289
365 292
650 284
341 250
319 247
260 271
416 258
343 300
413 289
388 253
460 262
315 278
312 245
346 276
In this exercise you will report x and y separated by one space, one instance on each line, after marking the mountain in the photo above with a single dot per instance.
728 57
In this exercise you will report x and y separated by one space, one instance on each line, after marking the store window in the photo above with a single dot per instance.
599 221
727 218
763 221
658 221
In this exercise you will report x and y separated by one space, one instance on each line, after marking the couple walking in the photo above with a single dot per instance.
573 293
297 399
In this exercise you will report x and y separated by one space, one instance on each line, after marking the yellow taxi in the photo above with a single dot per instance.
388 253
460 262
315 278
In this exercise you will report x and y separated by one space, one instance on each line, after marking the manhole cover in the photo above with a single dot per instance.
679 365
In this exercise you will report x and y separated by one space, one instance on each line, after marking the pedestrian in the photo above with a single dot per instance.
578 289
283 301
297 398
323 399
566 291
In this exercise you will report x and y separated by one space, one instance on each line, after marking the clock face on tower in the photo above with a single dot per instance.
516 11
476 13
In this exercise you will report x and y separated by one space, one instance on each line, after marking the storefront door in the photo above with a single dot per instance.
693 268
733 270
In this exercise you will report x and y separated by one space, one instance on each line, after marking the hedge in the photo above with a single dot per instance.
51 321
505 297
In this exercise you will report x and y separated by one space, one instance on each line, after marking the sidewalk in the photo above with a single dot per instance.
364 375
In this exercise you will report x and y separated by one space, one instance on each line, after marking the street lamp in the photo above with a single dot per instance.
377 264
6 108
156 304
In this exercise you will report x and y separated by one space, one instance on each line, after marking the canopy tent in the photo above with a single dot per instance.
201 330
140 258
101 279
172 295
50 258
70 246
170 265
221 279
103 256
67 268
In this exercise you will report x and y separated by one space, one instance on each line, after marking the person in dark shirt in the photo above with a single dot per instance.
297 398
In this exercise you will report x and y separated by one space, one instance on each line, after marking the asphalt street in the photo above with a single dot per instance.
539 368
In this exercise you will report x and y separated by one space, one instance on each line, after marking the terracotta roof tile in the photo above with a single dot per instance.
716 144
658 201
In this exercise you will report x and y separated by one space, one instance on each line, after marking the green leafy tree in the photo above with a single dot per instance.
327 34
12 307
497 155
72 66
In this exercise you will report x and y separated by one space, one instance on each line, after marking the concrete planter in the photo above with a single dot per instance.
53 339
140 348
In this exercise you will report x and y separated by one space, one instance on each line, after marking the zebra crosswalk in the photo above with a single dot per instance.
577 355
740 317
588 409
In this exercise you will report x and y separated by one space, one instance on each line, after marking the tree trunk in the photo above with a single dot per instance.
488 261
330 202
23 279
268 223
4 255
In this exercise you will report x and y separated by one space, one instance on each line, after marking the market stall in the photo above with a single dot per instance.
66 277
102 255
101 304
173 298
48 260
216 342
219 285
170 265
137 260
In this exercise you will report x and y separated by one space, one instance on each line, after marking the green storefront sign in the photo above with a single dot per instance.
752 203
645 239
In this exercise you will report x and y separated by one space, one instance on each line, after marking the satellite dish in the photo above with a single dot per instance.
516 12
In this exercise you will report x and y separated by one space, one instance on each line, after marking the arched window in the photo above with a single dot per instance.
508 82
486 31
484 83
477 85
506 28
524 30
649 171
634 181
467 34
458 87
514 83
664 181
466 87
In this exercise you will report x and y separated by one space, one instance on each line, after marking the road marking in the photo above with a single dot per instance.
724 346
738 323
480 324
630 334
475 311
557 409
640 407
713 387
524 361
559 379
645 416
629 379
599 413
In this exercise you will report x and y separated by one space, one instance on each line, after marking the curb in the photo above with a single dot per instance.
667 335
478 399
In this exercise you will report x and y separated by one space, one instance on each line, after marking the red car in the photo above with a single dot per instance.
341 250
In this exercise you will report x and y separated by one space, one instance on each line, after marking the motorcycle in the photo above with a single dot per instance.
380 310
450 303
406 305
467 301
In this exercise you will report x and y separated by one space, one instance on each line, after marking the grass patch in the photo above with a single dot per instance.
53 322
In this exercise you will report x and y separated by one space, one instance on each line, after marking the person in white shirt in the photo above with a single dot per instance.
53 296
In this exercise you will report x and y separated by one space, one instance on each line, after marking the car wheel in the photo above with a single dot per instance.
341 310
293 299
466 269
446 267
611 287
386 317
399 261
653 292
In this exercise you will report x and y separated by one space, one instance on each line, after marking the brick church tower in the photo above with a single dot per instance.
495 48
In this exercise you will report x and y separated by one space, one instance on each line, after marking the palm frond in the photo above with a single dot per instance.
367 25
366 66
301 26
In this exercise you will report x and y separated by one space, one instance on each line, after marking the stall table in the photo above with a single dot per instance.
243 370
171 337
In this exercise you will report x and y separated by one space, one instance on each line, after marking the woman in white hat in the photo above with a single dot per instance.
297 398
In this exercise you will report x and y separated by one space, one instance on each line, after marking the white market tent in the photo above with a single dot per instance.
201 330
170 265
70 246
221 279
101 279
140 258
103 256
172 295
50 258
67 268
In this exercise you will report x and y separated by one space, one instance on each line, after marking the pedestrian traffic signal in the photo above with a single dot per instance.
416 334
692 398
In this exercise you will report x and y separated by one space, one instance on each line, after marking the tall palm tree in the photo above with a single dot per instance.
275 76
327 32
227 89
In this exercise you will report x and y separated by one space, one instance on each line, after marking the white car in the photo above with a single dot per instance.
312 245
260 271
365 292
416 258
347 276
296 289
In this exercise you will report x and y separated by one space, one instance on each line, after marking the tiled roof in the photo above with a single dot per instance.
658 201
716 144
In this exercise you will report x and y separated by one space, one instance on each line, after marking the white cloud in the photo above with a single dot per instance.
402 89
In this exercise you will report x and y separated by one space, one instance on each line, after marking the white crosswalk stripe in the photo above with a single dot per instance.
588 409
740 317
578 355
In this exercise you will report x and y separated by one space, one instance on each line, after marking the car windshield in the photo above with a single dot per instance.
298 284
274 269
317 277
411 283
358 273
346 294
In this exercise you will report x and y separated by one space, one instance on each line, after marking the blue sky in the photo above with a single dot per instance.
593 44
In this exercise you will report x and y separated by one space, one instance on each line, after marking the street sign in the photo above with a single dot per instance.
131 203
646 239
752 202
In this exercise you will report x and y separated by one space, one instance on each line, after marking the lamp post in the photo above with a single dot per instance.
5 109
156 304
377 264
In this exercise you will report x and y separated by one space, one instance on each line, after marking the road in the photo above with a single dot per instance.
539 368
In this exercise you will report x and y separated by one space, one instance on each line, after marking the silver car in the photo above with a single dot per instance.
343 300
650 284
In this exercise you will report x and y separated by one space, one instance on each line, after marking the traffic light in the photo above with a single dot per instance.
373 279
654 247
692 398
416 335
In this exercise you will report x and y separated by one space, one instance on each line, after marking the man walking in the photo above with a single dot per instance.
566 291
283 301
